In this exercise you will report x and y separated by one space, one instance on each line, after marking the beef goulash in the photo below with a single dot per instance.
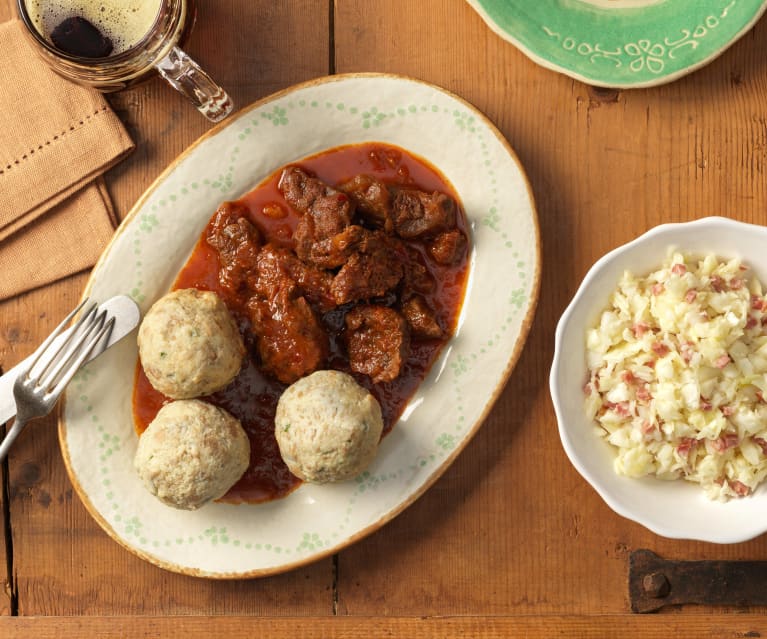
353 260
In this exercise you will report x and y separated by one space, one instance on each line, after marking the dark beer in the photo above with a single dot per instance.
96 28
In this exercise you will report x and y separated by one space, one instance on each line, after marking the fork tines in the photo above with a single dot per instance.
54 369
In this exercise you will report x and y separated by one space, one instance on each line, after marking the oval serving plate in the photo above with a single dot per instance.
232 541
621 43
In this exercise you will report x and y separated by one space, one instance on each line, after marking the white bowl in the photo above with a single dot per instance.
676 509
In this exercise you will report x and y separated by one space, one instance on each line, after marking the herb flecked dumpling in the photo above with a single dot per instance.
189 344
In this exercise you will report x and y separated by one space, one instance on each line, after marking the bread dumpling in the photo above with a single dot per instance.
327 427
189 344
191 453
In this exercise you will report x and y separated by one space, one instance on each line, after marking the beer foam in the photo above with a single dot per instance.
124 22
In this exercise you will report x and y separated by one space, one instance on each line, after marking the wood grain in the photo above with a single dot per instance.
7 597
531 627
63 563
511 529
511 541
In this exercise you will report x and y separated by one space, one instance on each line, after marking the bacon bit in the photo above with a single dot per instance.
738 487
643 394
704 403
718 284
679 269
647 427
686 445
691 295
751 322
628 377
736 284
587 390
687 350
727 410
731 439
659 349
622 409
722 361
757 303
640 328
725 441
762 443
743 267
651 363
658 288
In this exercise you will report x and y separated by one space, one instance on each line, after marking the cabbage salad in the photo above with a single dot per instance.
678 375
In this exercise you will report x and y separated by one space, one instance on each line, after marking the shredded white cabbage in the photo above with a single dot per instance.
678 373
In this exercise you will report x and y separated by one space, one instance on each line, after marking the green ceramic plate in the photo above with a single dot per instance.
621 43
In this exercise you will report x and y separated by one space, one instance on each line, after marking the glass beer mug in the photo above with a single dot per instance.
113 44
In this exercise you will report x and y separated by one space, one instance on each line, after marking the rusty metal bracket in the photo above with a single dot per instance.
655 582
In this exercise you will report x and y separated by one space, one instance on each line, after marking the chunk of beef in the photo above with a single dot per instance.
237 242
325 212
372 200
305 193
417 278
329 252
417 213
375 268
377 341
271 276
421 318
448 247
278 268
289 339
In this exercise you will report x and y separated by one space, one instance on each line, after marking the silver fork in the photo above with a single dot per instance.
39 385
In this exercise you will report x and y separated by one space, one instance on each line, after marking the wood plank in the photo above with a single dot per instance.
512 529
64 563
6 13
252 50
719 626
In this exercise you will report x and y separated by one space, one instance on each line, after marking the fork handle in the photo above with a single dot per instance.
10 436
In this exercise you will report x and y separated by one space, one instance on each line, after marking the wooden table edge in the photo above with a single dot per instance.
721 625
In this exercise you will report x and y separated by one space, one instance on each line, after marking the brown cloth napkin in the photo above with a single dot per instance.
56 138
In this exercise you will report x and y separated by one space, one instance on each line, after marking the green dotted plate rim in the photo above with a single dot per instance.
221 541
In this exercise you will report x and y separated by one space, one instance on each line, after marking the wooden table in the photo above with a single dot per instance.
510 541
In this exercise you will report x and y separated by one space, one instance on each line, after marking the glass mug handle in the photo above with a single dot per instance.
185 75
